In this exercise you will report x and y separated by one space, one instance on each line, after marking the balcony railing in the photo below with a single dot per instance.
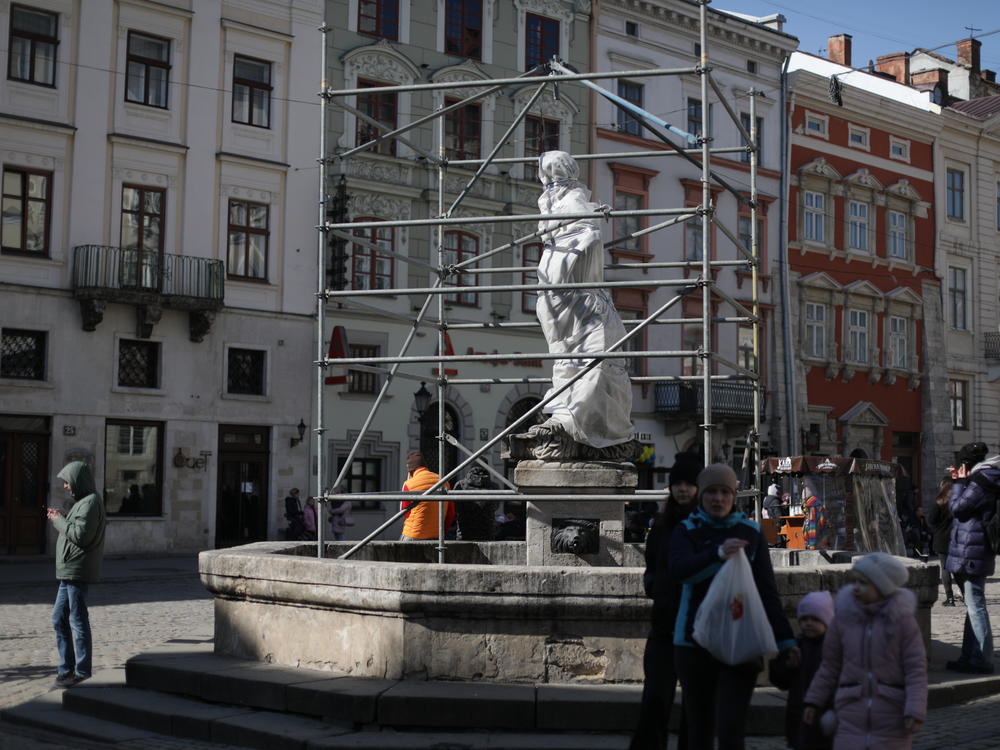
686 399
992 344
119 274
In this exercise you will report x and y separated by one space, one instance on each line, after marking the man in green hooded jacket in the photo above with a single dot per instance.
79 553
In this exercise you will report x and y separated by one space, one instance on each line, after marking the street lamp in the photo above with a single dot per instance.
422 399
302 431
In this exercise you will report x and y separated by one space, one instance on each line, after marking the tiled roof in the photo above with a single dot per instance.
981 108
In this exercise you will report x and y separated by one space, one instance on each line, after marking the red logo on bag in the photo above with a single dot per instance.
736 607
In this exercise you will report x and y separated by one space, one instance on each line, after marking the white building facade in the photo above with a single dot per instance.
158 264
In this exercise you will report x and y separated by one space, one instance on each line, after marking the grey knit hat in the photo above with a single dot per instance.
884 571
717 475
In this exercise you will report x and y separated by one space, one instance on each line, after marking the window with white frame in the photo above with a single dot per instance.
955 194
816 124
857 137
958 298
813 216
958 400
897 234
858 225
898 342
857 336
623 226
816 329
541 41
899 149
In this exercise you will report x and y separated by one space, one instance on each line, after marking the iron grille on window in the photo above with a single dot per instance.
138 364
22 354
246 371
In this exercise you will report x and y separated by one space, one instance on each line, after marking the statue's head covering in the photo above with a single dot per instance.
555 167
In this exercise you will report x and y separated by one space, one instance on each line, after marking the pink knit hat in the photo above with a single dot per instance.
818 604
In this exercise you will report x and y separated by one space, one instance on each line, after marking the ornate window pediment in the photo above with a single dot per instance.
820 280
864 413
820 167
903 189
863 288
380 61
905 295
864 178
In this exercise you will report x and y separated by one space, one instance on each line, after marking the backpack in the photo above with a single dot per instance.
992 525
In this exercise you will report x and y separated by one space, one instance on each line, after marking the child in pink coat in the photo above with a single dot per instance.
874 664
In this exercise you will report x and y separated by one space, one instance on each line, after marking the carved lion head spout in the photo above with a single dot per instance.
575 536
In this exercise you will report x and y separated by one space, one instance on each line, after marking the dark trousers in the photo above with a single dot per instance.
946 577
716 698
659 686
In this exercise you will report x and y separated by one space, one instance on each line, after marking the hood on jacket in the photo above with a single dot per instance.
80 479
901 603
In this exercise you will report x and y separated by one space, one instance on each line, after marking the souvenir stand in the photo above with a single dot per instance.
847 504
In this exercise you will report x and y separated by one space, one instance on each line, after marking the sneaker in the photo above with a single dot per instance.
966 667
78 678
949 602
66 680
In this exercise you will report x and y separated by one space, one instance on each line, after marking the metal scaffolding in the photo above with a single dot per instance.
693 149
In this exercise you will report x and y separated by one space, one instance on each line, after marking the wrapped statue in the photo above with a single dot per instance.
592 418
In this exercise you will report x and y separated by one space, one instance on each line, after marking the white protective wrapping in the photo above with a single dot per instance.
596 410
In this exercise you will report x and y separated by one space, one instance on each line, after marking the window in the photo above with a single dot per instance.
691 340
359 381
379 18
636 366
744 348
542 41
897 234
857 137
245 371
22 354
27 196
251 91
857 336
371 269
858 224
957 294
899 149
626 225
133 468
694 239
380 107
142 219
458 247
148 70
998 206
532 257
540 135
815 330
138 364
695 119
958 399
463 28
752 66
743 233
248 239
630 92
365 475
462 131
814 216
745 122
32 47
955 188
898 342
816 124
631 28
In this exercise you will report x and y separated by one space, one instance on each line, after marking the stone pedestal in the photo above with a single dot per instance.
575 532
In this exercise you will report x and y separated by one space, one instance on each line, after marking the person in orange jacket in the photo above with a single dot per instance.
422 520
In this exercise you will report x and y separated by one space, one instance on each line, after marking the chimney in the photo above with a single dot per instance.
928 80
896 65
990 76
968 53
838 49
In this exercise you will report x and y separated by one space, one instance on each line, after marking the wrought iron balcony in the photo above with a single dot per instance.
149 280
992 345
686 399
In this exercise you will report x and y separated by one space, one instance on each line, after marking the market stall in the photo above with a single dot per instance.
842 503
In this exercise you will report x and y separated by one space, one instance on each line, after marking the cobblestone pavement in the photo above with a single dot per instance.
143 603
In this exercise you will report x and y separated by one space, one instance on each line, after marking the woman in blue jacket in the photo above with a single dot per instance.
717 695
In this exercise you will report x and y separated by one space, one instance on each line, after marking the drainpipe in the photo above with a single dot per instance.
791 423
595 13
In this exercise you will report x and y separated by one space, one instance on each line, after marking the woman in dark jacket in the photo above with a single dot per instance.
940 523
717 695
660 683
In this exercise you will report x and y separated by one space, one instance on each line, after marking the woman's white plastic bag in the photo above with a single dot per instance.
731 623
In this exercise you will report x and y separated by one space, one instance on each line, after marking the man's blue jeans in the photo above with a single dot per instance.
977 640
71 622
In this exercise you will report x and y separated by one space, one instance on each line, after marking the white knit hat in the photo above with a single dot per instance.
884 571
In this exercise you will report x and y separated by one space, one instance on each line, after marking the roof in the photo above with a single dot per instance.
981 108
859 79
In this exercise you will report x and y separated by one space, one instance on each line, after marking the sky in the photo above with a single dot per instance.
880 27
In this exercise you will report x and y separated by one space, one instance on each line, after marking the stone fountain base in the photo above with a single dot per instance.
392 613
